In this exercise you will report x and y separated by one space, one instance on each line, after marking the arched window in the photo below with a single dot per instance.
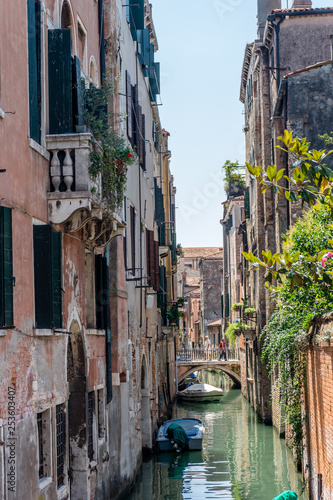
67 22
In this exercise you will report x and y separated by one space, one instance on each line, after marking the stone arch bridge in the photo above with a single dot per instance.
230 368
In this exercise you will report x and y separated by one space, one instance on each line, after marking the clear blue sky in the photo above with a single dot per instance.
201 50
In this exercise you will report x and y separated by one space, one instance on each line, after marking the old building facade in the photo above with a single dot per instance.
81 306
289 40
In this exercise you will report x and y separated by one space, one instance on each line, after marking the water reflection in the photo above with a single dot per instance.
241 458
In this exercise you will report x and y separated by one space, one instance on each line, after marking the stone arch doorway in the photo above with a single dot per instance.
145 407
76 377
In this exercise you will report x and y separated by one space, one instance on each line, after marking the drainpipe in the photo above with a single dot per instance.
285 107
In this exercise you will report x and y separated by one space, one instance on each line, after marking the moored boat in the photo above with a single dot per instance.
201 393
181 434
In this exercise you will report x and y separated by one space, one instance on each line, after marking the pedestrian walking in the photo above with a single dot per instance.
207 347
223 354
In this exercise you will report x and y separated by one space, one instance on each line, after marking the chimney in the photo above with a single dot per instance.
301 4
265 8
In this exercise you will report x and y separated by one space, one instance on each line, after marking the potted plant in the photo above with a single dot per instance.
236 307
250 312
180 301
240 327
173 315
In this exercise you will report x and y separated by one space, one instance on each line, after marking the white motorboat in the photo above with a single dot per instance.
200 393
180 434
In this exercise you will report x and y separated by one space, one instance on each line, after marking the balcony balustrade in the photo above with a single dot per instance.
75 198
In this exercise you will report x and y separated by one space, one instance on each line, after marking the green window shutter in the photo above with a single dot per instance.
60 82
56 279
99 291
43 275
47 272
227 305
247 203
34 60
6 267
78 103
129 106
101 38
154 80
137 14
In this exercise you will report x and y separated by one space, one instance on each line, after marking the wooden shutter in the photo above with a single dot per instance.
47 272
129 106
157 266
6 267
247 203
135 119
147 257
137 14
60 82
143 141
101 38
132 228
56 279
34 60
139 139
152 259
78 102
43 276
99 291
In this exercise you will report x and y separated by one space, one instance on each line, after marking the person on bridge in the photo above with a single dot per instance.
207 347
222 349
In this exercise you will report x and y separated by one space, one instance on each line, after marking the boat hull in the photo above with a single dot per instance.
194 429
204 398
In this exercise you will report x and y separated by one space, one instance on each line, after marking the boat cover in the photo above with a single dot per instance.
287 495
176 433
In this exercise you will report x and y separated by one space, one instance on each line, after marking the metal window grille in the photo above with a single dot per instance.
90 425
60 440
40 444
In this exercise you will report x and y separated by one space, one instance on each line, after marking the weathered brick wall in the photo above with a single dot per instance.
319 407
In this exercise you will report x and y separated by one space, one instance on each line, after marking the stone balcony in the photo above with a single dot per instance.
75 199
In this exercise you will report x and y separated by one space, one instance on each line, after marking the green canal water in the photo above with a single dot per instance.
241 459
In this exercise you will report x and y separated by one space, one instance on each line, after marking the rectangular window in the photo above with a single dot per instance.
90 425
34 66
47 271
6 268
60 444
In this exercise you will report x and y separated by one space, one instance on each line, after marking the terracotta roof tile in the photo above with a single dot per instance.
198 252
215 323
299 9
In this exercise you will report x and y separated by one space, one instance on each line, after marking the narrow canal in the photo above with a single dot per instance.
241 458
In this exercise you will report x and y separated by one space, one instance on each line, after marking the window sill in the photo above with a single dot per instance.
94 331
43 483
50 332
63 492
37 147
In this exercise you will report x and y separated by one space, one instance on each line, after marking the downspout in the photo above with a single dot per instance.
285 107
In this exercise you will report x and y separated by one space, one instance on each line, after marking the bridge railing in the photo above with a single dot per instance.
199 354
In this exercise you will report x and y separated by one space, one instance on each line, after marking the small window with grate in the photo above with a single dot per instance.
60 444
90 425
40 445
101 414
44 447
